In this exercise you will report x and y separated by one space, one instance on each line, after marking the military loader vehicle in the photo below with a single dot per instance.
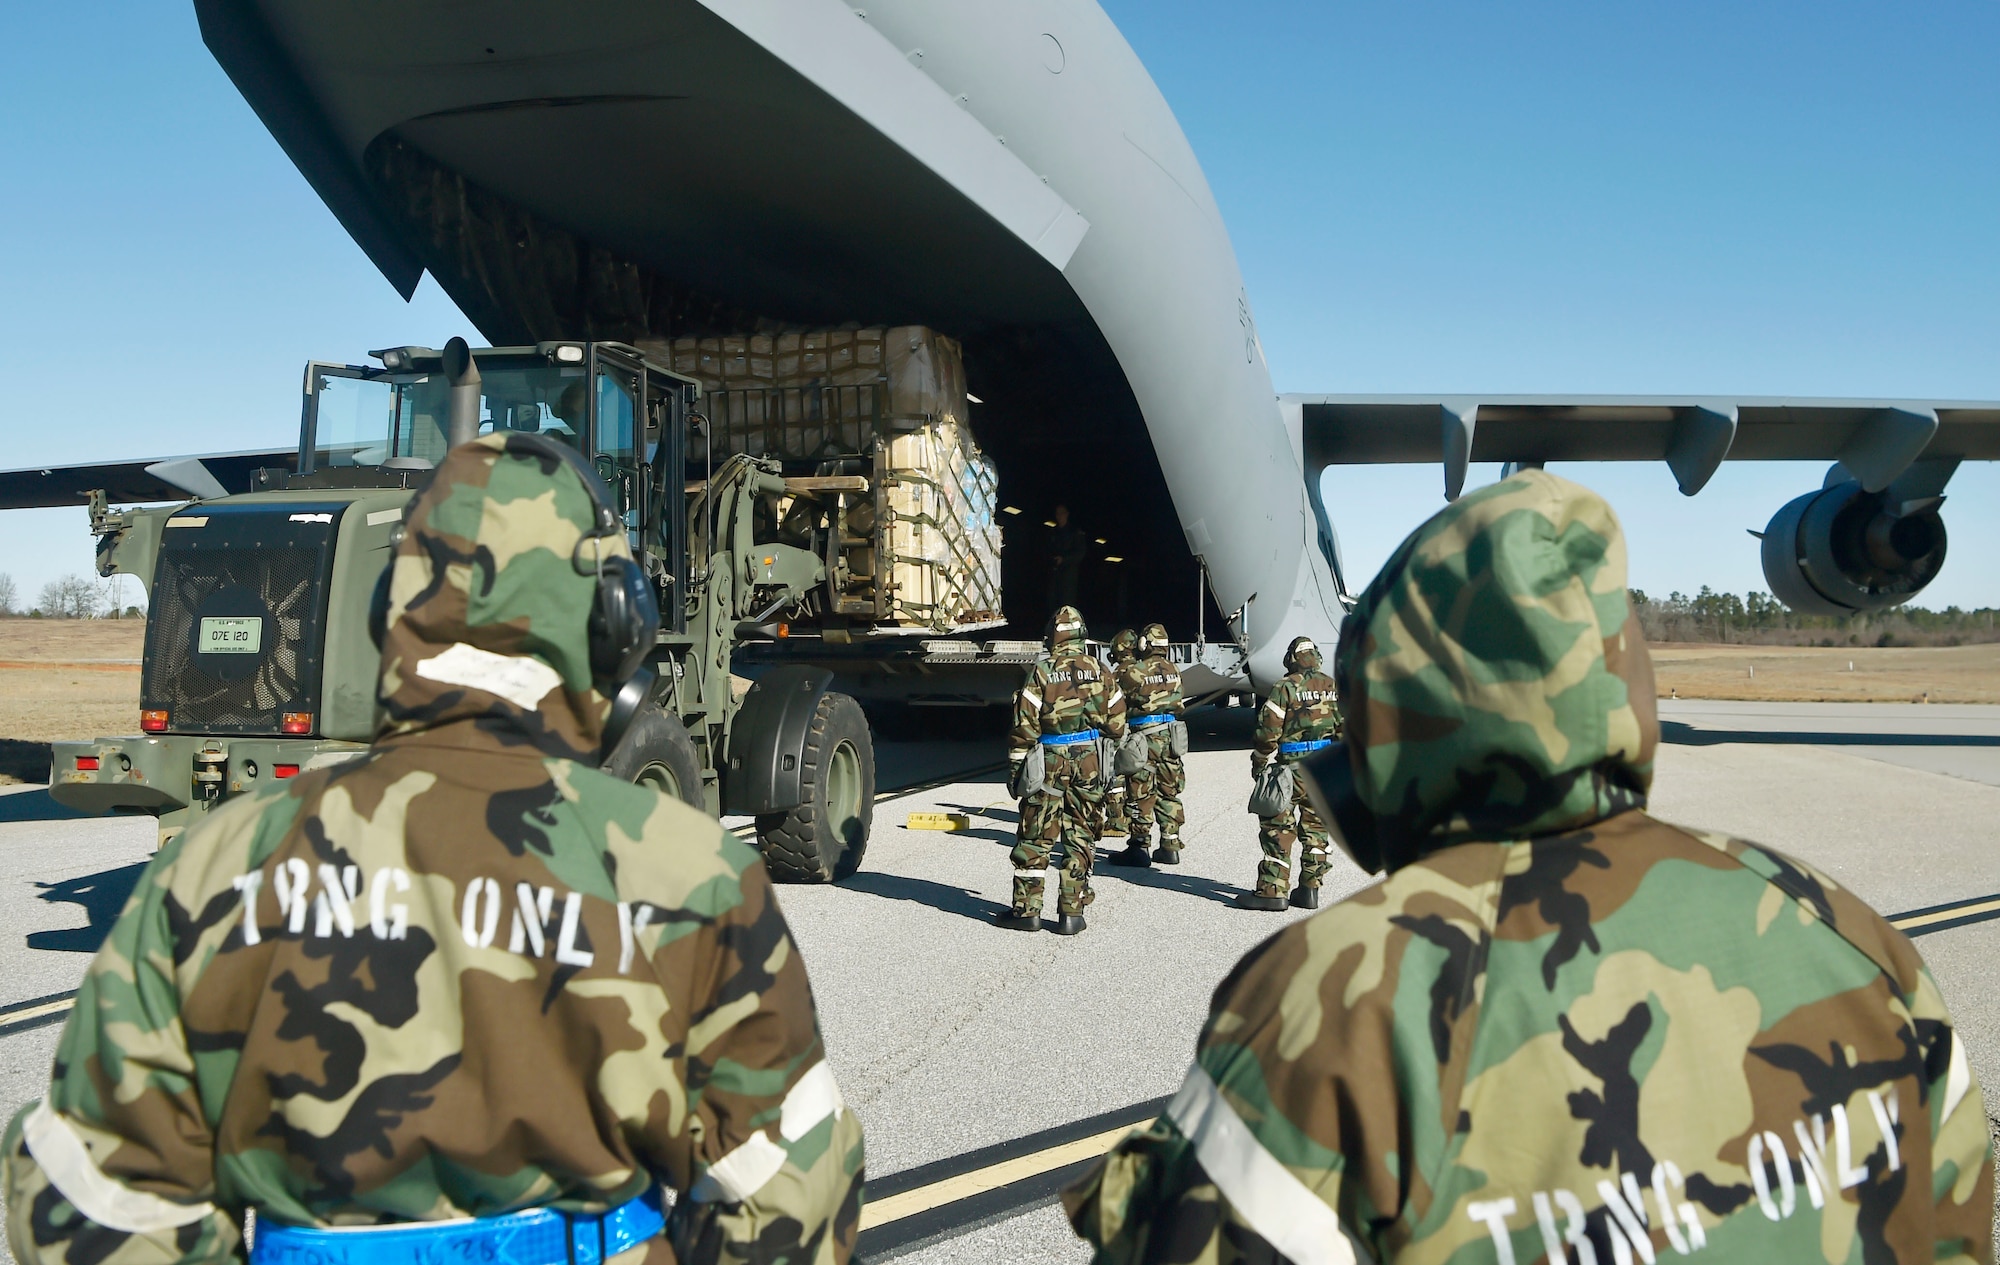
258 662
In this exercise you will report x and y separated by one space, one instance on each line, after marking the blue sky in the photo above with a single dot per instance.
1757 198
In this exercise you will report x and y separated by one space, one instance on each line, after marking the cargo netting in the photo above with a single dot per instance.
920 550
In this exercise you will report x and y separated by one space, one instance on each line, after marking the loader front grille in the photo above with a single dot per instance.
236 626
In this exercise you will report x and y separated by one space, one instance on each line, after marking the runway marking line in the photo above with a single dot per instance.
879 1212
35 1012
1944 917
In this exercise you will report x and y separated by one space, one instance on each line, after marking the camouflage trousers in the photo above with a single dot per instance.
1275 835
1112 818
1064 814
1156 794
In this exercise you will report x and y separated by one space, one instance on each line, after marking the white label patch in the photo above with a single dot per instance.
312 518
197 520
380 517
522 681
230 635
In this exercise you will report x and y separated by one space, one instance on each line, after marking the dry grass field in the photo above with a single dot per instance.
62 679
68 679
1814 674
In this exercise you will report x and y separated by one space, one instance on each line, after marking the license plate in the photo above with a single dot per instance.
232 636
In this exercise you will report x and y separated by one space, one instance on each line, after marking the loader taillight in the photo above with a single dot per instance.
284 770
153 721
296 723
86 763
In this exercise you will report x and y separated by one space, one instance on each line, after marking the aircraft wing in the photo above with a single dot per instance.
1875 439
135 482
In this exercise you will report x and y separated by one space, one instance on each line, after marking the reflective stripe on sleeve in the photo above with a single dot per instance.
813 1099
741 1173
1263 1192
1272 704
98 1196
1957 1080
1034 699
744 1171
1117 697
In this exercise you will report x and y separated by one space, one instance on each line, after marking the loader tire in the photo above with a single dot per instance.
823 839
657 752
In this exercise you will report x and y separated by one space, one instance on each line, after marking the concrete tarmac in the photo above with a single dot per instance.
948 1034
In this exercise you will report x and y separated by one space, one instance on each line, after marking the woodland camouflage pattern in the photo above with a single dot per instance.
1152 687
1117 799
1066 692
1303 707
1521 1046
467 973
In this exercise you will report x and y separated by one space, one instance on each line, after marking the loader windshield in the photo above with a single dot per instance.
361 417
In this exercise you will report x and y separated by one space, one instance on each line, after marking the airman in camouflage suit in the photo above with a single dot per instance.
1153 705
1066 705
1117 800
1560 1029
463 975
1301 716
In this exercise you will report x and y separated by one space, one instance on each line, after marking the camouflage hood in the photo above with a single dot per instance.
488 615
1303 656
1066 631
1495 679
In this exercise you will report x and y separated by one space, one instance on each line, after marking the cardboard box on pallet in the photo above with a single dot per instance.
922 549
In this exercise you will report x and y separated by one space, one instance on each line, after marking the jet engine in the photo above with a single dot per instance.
1844 550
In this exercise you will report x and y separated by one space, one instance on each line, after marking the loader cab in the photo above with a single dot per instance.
626 416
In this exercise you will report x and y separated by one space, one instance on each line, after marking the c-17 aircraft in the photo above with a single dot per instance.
1008 173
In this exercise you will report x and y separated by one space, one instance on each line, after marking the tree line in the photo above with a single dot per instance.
1708 616
1762 620
69 597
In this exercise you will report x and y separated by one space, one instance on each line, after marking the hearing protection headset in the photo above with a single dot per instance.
624 621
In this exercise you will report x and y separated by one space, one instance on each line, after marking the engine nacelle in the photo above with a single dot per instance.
1844 550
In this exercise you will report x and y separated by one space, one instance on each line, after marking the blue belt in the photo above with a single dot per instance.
1154 718
1300 748
1069 740
539 1236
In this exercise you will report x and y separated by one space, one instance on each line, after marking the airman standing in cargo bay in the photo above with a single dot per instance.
1559 1029
1067 545
1063 712
1153 704
465 995
1124 651
1301 716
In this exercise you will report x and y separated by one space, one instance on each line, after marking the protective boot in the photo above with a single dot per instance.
1168 853
1069 924
1257 900
1134 854
1305 897
1012 921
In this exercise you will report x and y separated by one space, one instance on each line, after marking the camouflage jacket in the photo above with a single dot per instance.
1303 706
465 974
1519 1045
1509 1051
1151 686
1066 691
